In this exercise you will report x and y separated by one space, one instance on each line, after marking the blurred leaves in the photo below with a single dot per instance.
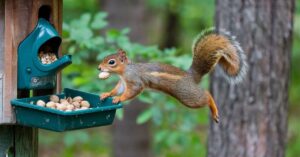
89 40
120 113
81 138
176 129
144 116
99 21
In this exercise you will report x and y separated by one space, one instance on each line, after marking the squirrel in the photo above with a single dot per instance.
210 47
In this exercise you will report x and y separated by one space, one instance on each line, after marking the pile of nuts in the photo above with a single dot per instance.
47 58
65 104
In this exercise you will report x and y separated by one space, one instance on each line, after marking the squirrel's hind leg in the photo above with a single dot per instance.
213 107
196 98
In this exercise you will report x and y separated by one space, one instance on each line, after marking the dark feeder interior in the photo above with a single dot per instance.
38 64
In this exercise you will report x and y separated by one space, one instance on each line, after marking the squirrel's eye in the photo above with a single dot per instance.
111 62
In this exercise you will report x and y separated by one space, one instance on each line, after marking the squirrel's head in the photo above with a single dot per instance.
114 63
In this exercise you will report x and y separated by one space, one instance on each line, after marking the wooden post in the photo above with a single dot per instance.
17 19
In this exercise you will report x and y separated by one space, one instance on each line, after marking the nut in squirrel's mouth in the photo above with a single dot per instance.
104 75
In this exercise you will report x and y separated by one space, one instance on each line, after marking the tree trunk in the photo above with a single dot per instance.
127 13
171 29
129 138
253 114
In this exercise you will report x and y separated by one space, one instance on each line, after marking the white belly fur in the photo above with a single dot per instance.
121 89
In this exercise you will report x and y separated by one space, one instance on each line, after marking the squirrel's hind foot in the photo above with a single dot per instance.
216 118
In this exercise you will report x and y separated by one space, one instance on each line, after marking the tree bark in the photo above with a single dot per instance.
253 114
171 29
129 138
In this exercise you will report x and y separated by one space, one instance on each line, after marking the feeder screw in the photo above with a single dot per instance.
28 70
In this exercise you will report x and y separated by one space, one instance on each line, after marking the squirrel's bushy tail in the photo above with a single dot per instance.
211 47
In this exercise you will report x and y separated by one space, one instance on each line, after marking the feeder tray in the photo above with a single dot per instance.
99 114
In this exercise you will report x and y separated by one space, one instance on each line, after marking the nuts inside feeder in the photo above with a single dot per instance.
85 104
41 103
47 55
54 98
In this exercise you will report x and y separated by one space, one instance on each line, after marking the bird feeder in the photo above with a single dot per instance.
34 73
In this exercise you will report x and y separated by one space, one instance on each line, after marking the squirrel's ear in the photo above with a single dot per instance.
121 52
122 55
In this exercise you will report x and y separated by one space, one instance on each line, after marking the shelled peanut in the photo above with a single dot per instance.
65 104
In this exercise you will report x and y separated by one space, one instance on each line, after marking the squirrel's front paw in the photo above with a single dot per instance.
116 99
104 95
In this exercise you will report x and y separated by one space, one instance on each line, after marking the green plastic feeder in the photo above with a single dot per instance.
101 112
32 74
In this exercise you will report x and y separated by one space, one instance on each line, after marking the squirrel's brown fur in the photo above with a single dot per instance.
209 49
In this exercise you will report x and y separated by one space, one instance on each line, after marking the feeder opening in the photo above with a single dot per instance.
48 52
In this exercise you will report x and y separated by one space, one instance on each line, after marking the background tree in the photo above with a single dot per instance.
254 113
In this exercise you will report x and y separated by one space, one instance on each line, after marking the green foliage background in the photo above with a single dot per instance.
176 129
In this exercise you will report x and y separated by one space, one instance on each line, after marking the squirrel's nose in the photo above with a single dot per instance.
99 68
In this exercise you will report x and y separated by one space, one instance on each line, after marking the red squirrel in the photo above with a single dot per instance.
211 47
